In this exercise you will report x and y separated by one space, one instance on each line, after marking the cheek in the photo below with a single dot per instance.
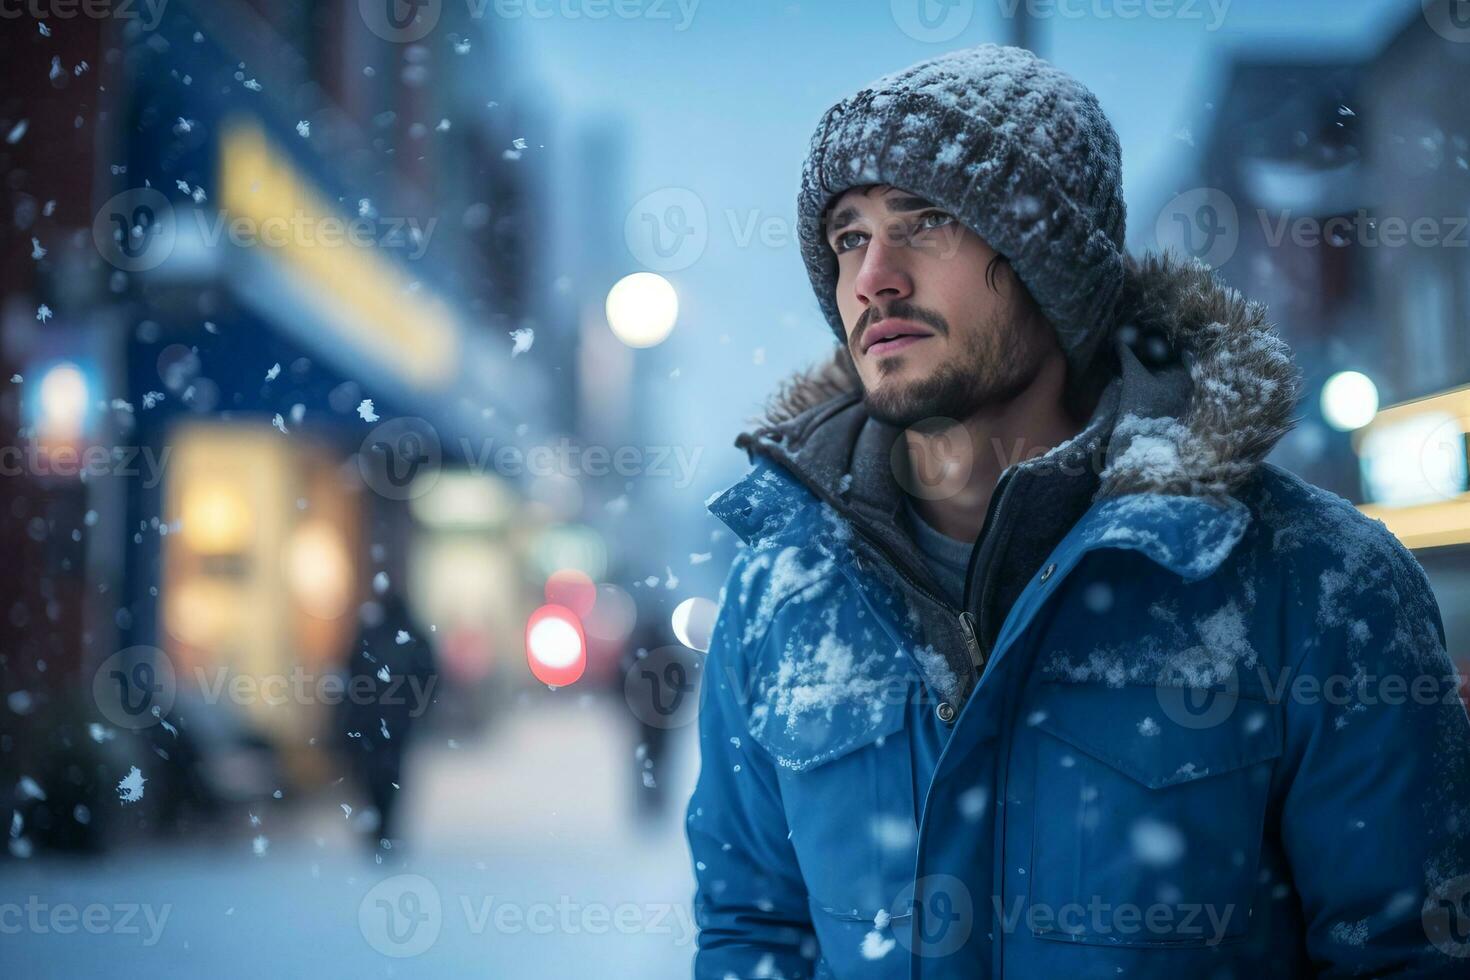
848 305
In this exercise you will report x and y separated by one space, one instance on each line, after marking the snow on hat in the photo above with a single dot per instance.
1017 150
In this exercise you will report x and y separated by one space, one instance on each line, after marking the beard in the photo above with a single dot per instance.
994 361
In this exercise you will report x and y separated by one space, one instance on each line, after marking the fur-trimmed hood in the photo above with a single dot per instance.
1197 428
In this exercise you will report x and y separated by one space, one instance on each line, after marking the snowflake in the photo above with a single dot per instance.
130 789
521 340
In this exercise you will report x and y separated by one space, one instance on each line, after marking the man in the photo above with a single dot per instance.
1029 666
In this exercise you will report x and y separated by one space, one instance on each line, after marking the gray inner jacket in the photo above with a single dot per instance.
1218 399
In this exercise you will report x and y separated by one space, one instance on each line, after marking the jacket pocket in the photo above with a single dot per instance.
842 760
846 786
1148 823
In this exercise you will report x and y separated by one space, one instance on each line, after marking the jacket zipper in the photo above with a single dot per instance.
977 656
966 620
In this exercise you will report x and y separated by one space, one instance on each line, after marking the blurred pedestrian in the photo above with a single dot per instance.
390 684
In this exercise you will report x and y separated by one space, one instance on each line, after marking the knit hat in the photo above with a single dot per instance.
1019 151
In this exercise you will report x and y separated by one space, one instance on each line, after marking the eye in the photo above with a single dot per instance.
846 241
935 219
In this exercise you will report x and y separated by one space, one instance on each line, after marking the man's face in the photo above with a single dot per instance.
928 334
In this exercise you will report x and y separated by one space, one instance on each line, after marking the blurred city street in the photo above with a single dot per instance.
368 369
534 819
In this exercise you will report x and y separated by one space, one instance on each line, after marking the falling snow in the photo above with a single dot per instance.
130 789
521 340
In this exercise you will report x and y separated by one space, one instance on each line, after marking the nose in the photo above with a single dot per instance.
884 273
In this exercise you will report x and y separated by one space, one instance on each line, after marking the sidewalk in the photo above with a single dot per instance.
525 861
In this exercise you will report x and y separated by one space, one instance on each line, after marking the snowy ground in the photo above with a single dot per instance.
527 863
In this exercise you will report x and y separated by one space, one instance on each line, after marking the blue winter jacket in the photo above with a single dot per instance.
1194 719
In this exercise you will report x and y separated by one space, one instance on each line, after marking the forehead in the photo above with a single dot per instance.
874 199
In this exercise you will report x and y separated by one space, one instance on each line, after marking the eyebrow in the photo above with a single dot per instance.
898 205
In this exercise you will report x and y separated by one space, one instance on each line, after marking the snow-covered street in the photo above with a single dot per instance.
527 863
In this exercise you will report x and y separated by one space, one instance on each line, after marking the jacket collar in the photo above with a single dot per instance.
1193 425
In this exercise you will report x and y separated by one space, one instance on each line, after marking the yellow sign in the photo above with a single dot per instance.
1416 467
359 293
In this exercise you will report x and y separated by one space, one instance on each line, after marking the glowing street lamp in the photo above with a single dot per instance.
63 402
642 309
1349 400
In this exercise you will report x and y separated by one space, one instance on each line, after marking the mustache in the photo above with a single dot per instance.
898 309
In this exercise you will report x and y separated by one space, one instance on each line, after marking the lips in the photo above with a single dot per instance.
892 335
